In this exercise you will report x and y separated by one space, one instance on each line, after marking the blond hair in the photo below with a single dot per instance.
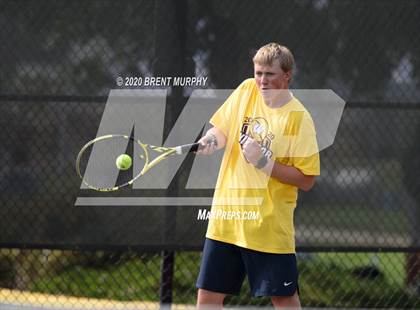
267 54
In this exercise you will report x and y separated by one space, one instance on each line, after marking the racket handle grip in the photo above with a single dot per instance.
193 147
188 148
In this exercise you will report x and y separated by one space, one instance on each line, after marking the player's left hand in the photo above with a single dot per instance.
252 151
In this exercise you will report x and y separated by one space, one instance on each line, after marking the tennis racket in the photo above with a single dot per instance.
100 173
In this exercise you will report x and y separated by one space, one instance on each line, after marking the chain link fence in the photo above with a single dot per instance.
357 230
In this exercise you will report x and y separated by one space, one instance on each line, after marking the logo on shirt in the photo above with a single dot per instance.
258 129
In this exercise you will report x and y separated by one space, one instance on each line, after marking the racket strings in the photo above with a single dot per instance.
97 163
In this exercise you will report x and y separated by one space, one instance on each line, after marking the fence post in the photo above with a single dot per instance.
166 279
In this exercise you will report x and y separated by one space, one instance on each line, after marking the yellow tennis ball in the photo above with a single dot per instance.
123 162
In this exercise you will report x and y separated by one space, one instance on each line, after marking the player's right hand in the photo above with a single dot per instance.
209 144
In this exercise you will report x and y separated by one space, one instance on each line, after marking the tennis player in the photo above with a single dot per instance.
270 152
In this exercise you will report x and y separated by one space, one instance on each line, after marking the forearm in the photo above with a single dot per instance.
288 175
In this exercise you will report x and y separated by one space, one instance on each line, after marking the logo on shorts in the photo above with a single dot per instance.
287 283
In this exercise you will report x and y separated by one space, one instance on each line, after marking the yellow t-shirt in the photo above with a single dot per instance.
249 208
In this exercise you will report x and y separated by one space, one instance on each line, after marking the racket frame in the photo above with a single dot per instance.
166 152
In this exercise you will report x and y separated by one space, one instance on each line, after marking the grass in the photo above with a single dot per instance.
326 280
338 286
392 265
131 280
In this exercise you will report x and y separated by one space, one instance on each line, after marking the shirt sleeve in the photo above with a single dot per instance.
305 152
221 117
226 115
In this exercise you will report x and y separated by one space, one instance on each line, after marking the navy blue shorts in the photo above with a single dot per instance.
224 266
